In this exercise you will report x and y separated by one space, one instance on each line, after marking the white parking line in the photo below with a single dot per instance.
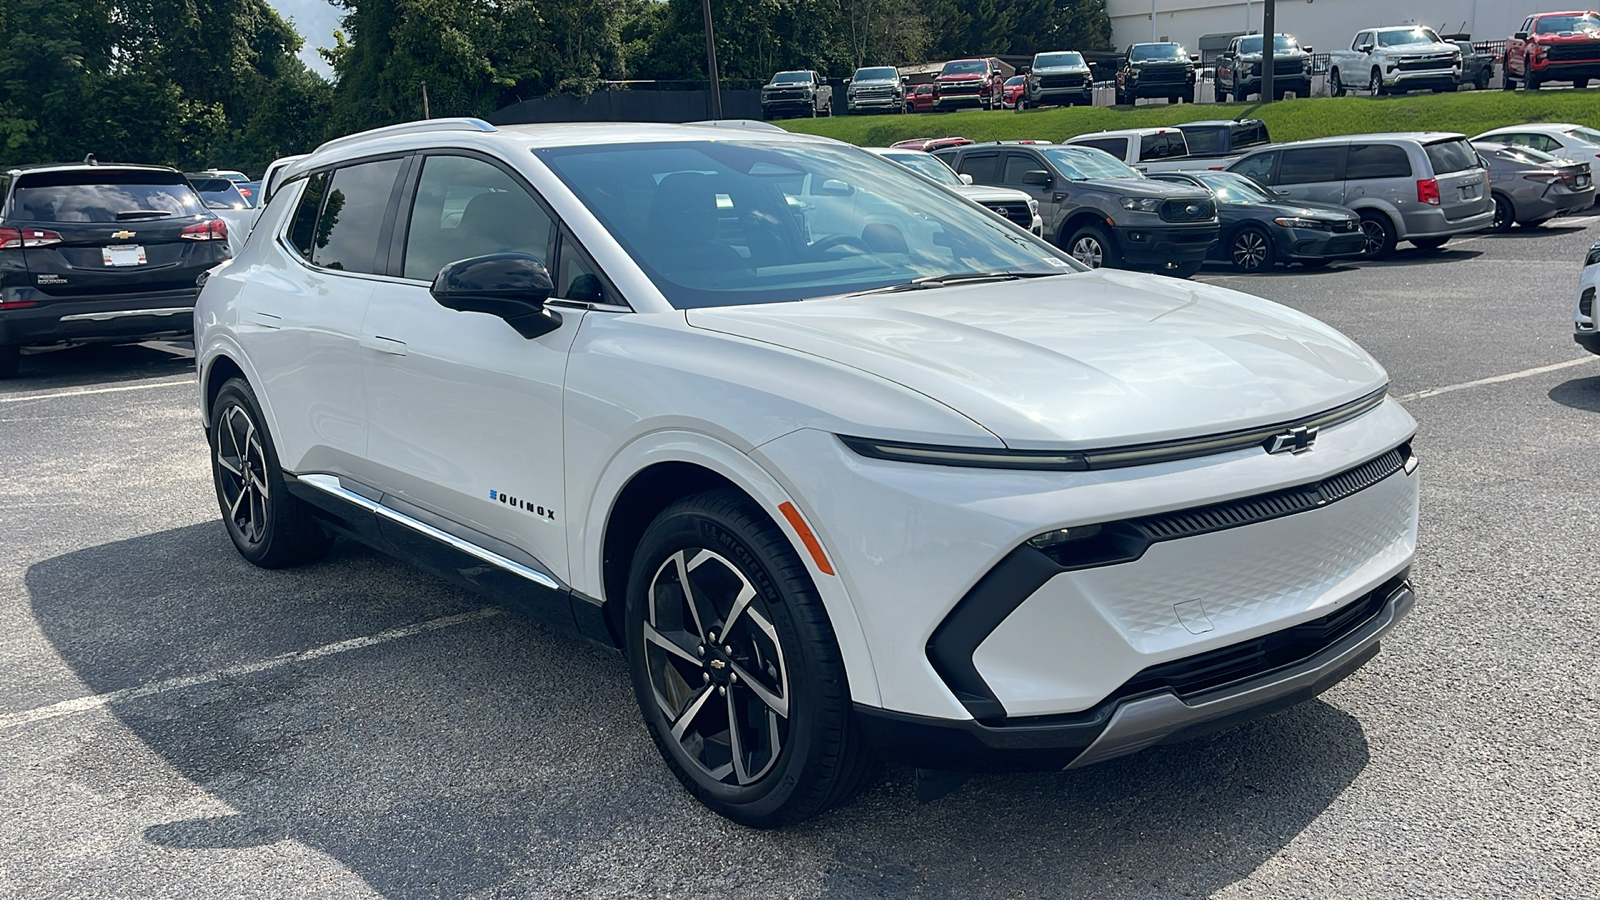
82 704
106 390
1494 379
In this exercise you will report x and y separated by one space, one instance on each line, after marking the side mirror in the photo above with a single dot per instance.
847 81
833 187
965 178
1306 49
1520 36
1281 193
513 286
1024 70
1364 48
1037 177
1193 58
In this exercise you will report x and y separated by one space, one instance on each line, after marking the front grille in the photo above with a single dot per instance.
1586 303
1349 244
1588 50
1288 66
1060 81
1424 63
1163 75
1345 226
785 95
963 89
1017 212
1181 211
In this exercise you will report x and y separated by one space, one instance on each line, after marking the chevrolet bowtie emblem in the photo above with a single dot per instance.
1295 440
122 235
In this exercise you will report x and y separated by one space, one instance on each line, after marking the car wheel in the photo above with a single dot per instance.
1504 214
1375 83
1335 86
1428 245
1090 246
1121 98
1221 92
10 360
1580 83
1481 83
1022 104
735 666
269 526
1379 233
1530 80
1251 250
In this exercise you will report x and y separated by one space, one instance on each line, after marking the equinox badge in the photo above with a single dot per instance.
1295 440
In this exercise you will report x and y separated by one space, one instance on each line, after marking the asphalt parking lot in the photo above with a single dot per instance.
176 723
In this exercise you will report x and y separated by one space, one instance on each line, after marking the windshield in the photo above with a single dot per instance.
790 77
1157 52
725 223
1587 135
1280 44
219 193
927 166
1231 188
1085 163
1057 60
1409 36
969 67
108 197
1527 155
1561 24
882 73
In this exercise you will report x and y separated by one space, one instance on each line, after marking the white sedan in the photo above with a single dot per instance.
1575 143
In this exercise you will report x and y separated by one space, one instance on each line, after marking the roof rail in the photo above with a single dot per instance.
423 126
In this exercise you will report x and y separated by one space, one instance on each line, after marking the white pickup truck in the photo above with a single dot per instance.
1168 149
1395 59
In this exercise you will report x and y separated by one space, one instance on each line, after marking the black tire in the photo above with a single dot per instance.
1429 245
1379 231
10 360
1481 83
1091 246
1250 251
1580 83
1504 214
1530 80
1375 82
1277 94
1022 103
781 651
1335 86
269 526
1175 98
1220 92
1121 97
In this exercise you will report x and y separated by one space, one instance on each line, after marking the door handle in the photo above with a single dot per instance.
383 344
1058 197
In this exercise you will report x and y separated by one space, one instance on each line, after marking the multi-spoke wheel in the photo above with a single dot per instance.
1251 250
1378 235
268 526
1090 246
735 665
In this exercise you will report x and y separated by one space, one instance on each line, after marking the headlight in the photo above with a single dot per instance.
1141 204
1301 222
1594 256
1033 206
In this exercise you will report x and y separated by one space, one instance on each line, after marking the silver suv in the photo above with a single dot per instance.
1423 187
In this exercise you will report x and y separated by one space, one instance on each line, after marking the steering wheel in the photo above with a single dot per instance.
842 240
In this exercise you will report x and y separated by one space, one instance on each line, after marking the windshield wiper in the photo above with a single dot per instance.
938 281
142 214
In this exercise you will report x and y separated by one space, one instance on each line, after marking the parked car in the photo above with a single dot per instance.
1260 230
875 87
1014 89
1583 321
250 190
1423 187
968 82
928 145
1097 208
100 252
240 180
1574 143
1013 206
920 98
1394 60
1162 69
1058 77
966 506
1238 69
272 178
1477 66
1221 141
216 192
1530 187
800 93
1145 149
1554 46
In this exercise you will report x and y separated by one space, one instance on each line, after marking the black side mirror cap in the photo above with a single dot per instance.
1520 36
1037 176
513 286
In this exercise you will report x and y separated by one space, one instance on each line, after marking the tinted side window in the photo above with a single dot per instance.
303 226
984 168
1257 168
352 216
1310 165
1377 161
1017 164
1162 146
1248 135
1117 147
466 207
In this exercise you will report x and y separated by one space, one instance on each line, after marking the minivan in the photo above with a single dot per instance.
1422 187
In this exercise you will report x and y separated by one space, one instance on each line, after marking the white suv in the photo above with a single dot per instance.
846 466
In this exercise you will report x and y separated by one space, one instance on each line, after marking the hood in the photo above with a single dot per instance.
1079 361
1570 37
1307 210
1422 49
962 76
983 193
1060 70
1145 187
874 81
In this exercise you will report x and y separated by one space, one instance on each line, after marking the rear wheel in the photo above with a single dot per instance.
1251 251
1428 245
736 668
1504 214
268 526
1090 246
1379 234
10 360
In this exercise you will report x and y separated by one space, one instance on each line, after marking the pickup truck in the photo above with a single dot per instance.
1239 68
1059 76
1161 69
1554 47
1214 145
1477 66
968 82
1393 60
803 93
875 87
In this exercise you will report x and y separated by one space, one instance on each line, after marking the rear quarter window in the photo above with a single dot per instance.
1117 147
984 168
1166 145
102 197
1454 155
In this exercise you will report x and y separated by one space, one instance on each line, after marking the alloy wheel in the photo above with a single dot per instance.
1249 250
1375 235
1376 85
716 667
1088 251
242 473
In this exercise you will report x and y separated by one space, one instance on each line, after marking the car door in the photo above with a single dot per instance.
1311 174
1380 171
1013 174
983 167
465 419
300 320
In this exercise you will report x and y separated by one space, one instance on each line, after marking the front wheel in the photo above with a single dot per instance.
1090 246
1335 86
268 526
1504 214
1251 251
1379 235
1375 83
736 668
1221 92
1530 81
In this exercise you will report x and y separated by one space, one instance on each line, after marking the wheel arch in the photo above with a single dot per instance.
1370 205
1082 217
217 372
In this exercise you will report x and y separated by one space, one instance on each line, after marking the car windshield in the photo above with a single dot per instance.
725 223
1231 188
927 166
1057 60
1409 36
1085 163
219 193
1527 155
1280 43
1587 135
790 77
102 197
882 73
1156 52
1587 22
968 67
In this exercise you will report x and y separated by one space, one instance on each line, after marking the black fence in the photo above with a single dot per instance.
630 105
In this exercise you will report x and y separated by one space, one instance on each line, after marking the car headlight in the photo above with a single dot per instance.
1033 206
1594 256
1300 222
1141 204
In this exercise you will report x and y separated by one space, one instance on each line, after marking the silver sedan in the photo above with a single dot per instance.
1530 186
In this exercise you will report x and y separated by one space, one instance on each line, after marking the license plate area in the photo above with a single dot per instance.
123 255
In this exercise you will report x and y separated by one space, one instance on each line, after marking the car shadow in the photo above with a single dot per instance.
498 757
1548 229
80 365
1579 393
1415 256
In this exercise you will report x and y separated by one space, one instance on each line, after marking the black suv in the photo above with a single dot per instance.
1097 208
100 253
1162 69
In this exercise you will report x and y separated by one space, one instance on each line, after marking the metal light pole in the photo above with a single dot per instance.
1152 21
1269 31
711 63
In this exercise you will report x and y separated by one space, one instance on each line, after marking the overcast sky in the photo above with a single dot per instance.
315 20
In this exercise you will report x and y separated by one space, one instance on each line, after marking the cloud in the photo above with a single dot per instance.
316 21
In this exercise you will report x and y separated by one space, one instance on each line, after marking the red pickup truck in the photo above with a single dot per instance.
920 98
968 82
1554 46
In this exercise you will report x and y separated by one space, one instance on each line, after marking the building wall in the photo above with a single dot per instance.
1324 24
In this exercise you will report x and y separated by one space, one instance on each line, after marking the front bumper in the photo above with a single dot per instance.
1422 80
1143 246
123 317
1157 89
889 102
947 100
787 106
1311 243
